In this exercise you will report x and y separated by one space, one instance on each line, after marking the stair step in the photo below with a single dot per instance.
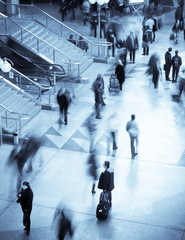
5 93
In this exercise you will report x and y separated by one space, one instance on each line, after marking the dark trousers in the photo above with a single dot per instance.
94 29
167 71
103 31
63 112
175 72
132 55
97 107
145 50
26 218
114 146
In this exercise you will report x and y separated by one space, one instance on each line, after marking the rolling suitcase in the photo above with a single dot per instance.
102 210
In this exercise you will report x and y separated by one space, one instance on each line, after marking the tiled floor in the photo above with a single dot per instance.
149 194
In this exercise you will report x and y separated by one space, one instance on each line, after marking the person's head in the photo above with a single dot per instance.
176 52
80 38
106 164
99 77
71 36
133 117
25 185
169 49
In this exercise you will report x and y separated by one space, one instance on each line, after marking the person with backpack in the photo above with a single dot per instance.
176 63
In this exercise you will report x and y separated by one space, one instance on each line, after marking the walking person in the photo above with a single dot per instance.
154 69
113 125
82 44
92 169
110 38
145 43
63 9
132 45
133 130
64 223
168 63
92 130
64 102
25 198
85 9
176 63
120 73
106 180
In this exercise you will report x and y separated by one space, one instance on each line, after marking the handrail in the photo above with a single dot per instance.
61 23
23 114
56 49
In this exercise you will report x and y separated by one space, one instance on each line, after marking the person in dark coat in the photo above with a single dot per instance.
106 180
63 9
63 102
132 45
154 69
94 23
92 162
176 63
120 73
168 63
64 224
82 44
25 198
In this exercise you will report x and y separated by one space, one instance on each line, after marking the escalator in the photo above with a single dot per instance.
30 63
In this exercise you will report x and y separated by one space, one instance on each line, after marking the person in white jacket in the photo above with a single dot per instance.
133 130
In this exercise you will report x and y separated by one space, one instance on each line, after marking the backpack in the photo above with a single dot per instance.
176 62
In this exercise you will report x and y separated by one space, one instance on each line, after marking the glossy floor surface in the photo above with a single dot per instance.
149 195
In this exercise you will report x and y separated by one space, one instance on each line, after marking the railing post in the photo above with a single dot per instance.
19 11
46 21
21 36
6 116
53 55
54 82
78 70
40 94
1 131
37 45
6 30
20 126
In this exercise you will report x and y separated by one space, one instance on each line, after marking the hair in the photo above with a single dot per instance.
176 51
26 183
133 116
170 49
107 164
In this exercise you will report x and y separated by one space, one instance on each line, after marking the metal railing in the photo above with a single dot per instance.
27 86
31 12
11 120
9 27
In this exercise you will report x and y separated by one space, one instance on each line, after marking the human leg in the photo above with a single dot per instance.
132 147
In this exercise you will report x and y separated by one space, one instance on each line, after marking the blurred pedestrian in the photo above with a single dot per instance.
120 73
132 45
82 44
133 130
64 223
85 9
92 130
94 23
106 180
168 63
100 79
64 102
154 69
63 9
92 169
110 38
176 63
113 125
150 25
145 43
25 198
103 23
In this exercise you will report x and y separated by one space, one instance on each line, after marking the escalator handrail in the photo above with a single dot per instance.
74 61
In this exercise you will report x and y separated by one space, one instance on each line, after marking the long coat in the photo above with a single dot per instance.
120 73
106 180
129 43
26 199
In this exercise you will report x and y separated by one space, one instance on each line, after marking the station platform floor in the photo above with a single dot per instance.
148 202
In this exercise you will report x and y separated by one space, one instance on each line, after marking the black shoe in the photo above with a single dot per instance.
135 154
98 117
93 192
28 232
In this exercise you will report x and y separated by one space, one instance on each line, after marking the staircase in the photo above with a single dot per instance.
53 40
19 104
